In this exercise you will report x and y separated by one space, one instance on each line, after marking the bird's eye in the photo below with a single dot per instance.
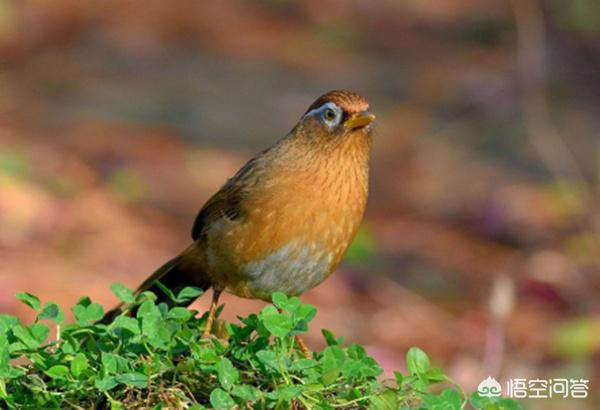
329 114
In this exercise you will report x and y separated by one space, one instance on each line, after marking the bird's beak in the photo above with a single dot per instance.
360 120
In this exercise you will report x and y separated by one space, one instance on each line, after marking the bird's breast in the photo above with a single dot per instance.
292 235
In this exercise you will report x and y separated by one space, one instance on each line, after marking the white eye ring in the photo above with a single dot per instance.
329 113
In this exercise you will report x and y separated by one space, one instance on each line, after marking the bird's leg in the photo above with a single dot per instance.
212 311
303 347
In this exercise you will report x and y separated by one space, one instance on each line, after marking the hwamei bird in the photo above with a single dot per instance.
283 222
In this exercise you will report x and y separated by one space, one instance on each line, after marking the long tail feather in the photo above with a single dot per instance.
174 275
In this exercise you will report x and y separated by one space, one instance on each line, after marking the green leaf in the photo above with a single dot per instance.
151 322
366 367
221 400
134 379
39 332
7 322
106 383
24 335
204 354
356 351
109 361
292 305
84 301
286 394
95 312
163 289
385 401
278 325
302 315
247 393
435 375
268 358
79 364
417 361
162 336
228 375
52 312
147 308
115 405
127 323
399 378
146 295
113 363
329 337
280 300
306 312
123 293
58 372
4 357
30 300
189 293
179 313
492 403
302 364
87 315
448 400
332 362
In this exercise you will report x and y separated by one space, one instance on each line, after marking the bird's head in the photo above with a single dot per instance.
337 114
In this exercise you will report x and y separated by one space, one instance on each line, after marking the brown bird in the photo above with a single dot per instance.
283 222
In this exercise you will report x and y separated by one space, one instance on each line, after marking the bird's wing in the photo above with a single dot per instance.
224 204
227 202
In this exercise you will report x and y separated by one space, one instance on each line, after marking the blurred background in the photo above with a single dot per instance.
481 242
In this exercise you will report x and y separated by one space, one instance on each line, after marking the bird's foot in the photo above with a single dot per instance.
303 347
217 331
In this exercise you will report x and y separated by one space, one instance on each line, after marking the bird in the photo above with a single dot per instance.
283 222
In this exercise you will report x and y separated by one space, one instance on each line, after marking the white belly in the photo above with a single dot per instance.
292 270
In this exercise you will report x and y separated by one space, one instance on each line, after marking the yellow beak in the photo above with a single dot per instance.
360 120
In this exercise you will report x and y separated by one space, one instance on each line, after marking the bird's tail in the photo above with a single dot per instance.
168 280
